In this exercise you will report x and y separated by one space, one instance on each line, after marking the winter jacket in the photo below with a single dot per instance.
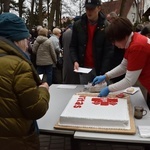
45 53
102 48
56 43
21 100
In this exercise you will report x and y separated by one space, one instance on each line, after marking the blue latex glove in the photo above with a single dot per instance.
98 79
104 92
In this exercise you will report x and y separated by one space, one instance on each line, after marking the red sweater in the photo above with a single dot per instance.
88 61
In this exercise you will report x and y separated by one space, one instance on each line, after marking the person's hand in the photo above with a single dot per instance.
98 79
104 92
45 85
76 66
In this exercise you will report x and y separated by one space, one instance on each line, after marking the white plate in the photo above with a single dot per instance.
131 90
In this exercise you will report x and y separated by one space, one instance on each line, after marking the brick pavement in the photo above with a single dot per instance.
64 143
54 143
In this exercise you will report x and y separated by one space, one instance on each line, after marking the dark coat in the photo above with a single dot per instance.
69 76
102 48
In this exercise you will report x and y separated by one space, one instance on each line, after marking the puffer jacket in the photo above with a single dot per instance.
44 50
21 100
102 49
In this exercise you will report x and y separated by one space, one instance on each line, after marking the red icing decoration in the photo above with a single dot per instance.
80 99
112 99
113 103
96 101
77 106
121 95
79 102
104 101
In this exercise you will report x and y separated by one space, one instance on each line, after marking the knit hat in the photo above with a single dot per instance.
92 3
13 27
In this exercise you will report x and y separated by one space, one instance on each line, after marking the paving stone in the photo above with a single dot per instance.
48 142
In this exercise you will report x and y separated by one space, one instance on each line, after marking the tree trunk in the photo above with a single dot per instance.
21 7
31 14
122 6
40 12
52 13
58 12
138 12
48 5
1 9
6 5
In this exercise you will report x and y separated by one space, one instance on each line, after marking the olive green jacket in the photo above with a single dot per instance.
21 100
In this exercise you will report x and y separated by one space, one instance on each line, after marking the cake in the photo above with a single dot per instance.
130 90
96 112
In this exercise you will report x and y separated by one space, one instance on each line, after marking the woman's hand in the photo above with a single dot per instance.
98 79
104 92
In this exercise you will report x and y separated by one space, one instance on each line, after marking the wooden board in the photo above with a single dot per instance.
132 129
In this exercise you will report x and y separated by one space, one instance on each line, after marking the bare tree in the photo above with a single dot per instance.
58 12
6 5
32 10
137 3
48 12
122 5
40 12
1 6
52 13
20 4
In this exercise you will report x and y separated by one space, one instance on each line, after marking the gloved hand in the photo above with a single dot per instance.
104 92
98 79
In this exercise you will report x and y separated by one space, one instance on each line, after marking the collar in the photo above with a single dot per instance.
55 36
92 23
129 40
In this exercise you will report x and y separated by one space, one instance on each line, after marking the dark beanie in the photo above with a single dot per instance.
13 27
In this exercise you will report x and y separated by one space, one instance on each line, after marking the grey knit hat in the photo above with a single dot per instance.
13 27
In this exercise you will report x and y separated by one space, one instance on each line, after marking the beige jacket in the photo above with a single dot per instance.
44 50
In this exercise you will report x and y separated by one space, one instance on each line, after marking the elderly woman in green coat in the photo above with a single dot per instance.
23 97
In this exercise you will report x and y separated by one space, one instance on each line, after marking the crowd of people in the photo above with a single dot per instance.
80 47
116 52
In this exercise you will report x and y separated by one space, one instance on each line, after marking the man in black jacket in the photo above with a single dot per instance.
89 46
118 52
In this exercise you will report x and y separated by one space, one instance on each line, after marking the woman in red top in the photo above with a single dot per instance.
136 62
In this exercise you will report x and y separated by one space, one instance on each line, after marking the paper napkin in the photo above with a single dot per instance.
144 131
66 86
131 90
83 70
41 76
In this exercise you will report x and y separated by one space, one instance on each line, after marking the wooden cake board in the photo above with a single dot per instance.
132 129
